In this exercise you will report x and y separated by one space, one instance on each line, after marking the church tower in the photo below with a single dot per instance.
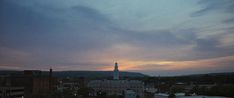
116 72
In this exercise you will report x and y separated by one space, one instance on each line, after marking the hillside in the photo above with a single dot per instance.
88 74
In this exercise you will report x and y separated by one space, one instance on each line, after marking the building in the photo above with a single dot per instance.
67 86
112 87
130 94
11 92
116 72
37 83
10 88
161 95
116 86
28 83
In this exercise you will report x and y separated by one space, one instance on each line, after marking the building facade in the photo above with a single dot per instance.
27 83
37 83
11 92
130 94
116 86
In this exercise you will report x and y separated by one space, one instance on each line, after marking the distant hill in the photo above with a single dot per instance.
101 74
212 74
95 74
88 74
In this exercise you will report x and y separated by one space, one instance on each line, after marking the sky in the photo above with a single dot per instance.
154 37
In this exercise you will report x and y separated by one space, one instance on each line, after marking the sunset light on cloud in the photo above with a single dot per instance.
155 37
211 64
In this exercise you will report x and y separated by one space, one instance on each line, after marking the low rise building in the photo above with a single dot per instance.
11 92
130 94
33 82
117 87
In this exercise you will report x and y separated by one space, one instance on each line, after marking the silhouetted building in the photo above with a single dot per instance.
38 83
11 86
31 82
116 72
11 92
32 73
130 94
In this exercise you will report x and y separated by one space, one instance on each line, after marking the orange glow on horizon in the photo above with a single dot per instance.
127 65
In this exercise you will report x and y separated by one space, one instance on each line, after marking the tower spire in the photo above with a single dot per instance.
116 72
116 66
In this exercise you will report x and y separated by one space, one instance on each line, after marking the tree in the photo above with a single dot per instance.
172 95
101 94
84 91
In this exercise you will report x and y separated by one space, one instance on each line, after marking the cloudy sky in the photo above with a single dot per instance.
155 37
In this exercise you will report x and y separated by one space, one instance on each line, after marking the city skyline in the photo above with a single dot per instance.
154 37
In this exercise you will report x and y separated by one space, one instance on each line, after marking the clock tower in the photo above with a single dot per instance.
116 72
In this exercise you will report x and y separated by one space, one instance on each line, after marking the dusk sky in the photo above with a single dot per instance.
154 37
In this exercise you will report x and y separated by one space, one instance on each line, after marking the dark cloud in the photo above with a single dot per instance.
231 8
206 45
49 39
201 12
211 5
229 21
163 38
203 48
32 28
90 14
22 27
211 47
